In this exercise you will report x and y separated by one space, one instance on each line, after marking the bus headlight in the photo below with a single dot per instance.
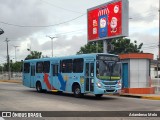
119 84
99 85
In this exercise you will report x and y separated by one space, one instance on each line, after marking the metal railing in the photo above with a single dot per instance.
155 82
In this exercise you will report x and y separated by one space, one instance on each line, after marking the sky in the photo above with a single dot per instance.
27 23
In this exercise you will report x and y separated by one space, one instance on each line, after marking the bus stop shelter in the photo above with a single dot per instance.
136 73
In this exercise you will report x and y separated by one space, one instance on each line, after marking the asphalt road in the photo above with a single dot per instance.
16 97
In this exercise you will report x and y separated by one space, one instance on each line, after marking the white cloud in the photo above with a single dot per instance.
150 42
143 25
62 47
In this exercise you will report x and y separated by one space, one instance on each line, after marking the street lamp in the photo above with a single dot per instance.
52 43
1 31
15 46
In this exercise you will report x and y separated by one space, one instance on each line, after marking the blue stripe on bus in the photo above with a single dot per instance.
63 83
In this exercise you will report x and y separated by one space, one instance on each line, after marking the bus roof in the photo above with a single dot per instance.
70 57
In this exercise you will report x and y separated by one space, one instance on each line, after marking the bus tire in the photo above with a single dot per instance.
77 91
39 87
98 95
59 92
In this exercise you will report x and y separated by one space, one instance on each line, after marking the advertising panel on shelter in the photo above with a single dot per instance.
107 21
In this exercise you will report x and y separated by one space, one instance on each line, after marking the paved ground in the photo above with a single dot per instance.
16 97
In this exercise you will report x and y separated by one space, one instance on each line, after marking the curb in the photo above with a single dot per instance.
151 97
129 95
141 97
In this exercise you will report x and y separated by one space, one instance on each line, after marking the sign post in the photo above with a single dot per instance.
105 44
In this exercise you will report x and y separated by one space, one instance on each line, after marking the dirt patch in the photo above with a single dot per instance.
12 81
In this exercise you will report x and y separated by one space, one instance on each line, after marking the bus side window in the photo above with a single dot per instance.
55 70
46 66
66 66
78 65
39 67
26 68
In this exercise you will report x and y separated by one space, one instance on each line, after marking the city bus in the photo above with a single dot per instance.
96 74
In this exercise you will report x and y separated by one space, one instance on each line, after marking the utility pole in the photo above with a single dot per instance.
51 43
159 31
15 46
8 61
158 58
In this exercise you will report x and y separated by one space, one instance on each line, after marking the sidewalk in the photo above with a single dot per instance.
142 96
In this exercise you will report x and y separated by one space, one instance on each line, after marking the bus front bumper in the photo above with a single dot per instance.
108 90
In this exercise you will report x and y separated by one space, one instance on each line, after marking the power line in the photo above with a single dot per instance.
139 17
150 46
145 13
30 26
33 26
71 32
60 7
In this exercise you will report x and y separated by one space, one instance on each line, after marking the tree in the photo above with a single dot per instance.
124 45
4 67
91 47
34 55
45 56
116 46
1 69
16 67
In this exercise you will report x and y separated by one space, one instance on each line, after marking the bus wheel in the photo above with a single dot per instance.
59 92
39 87
98 95
77 91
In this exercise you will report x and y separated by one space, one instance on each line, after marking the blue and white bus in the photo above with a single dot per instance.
97 74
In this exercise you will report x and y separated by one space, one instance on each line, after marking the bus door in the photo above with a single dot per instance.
32 77
89 77
55 69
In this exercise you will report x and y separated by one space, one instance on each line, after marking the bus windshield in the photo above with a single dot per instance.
108 70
